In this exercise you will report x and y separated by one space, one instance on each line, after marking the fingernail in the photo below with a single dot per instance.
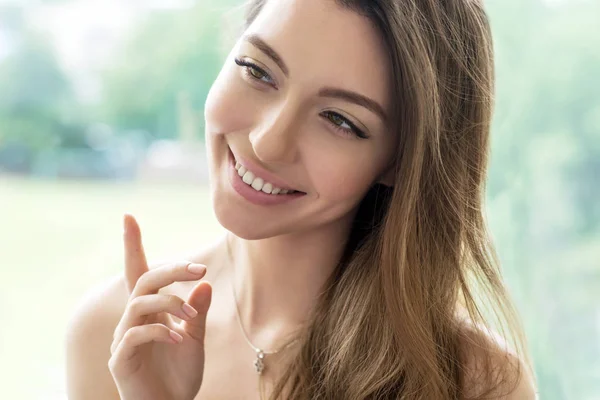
196 269
124 223
176 336
189 310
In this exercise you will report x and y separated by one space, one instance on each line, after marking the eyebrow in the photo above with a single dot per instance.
331 92
268 50
355 98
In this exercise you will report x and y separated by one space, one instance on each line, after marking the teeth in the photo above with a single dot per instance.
248 177
257 183
267 188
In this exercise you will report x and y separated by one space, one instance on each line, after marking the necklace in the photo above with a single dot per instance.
259 362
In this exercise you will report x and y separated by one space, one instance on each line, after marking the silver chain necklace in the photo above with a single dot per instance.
259 362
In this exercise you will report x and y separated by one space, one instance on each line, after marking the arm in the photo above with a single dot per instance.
89 336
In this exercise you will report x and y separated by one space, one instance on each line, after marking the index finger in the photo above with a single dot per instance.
167 274
135 257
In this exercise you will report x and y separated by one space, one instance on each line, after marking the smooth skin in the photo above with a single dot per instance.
282 255
150 364
227 357
154 357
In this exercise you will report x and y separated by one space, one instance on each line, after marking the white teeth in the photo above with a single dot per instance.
267 188
248 177
257 183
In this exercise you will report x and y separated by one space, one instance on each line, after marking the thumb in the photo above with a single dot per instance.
199 298
135 257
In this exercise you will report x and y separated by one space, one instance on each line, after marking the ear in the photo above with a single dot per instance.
388 177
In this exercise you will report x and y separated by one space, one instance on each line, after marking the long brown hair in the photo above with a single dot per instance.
419 284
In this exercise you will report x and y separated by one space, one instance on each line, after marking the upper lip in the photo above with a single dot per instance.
260 172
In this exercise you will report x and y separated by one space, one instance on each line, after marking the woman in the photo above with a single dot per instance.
348 144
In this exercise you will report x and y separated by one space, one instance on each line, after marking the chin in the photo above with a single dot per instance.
241 224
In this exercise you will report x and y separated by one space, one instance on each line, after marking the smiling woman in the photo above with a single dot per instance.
347 144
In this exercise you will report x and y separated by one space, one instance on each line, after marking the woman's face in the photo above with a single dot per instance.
301 103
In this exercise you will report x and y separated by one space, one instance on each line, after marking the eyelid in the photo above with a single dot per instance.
355 130
352 120
244 61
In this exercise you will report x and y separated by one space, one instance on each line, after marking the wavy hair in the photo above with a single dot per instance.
419 285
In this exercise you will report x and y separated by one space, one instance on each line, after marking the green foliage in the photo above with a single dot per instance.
172 52
544 185
35 97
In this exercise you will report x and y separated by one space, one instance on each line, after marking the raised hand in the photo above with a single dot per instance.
153 357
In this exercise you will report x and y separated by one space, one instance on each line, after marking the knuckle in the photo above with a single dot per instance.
134 304
144 279
181 266
174 301
129 335
131 312
159 329
174 268
114 365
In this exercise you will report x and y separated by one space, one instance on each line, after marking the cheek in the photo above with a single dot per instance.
225 109
343 178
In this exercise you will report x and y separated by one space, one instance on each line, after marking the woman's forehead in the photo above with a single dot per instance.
323 44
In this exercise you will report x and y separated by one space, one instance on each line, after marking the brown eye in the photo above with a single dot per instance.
336 119
338 123
256 73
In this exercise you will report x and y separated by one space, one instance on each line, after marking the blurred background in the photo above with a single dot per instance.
101 113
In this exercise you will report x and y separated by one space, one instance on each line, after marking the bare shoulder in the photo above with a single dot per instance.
492 368
89 336
93 322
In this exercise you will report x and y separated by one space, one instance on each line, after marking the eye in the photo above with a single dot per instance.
253 71
344 125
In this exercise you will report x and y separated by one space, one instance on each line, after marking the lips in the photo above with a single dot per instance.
255 176
251 195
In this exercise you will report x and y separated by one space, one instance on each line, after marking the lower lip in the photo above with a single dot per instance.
253 196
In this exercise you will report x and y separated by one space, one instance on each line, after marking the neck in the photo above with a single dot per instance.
277 280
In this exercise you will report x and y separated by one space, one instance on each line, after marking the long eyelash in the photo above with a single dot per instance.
358 132
355 130
248 64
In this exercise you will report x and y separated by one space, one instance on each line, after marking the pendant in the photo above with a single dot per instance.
259 364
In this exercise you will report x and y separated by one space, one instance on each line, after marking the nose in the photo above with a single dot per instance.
274 140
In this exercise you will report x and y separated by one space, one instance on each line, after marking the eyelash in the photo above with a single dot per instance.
347 131
353 130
